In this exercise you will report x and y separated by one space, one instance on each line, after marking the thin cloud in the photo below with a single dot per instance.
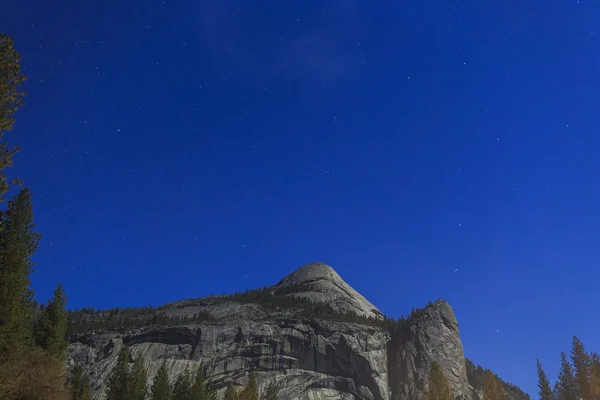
324 52
313 55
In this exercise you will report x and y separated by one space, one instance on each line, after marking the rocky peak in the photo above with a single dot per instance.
321 283
310 272
430 334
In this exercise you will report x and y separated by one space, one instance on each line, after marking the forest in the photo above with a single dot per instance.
492 387
476 376
131 383
578 378
269 299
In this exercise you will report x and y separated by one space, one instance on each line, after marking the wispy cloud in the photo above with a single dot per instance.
313 55
322 51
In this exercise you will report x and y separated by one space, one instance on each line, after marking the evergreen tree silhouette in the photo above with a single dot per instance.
161 388
545 391
566 385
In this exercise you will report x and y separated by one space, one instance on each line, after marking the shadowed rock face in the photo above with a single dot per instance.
311 360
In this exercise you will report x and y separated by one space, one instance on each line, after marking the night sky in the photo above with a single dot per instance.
424 149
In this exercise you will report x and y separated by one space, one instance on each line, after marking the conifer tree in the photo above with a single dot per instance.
439 388
15 223
556 390
161 388
17 244
566 385
250 392
138 380
11 99
545 391
80 385
581 364
230 393
199 386
182 387
272 392
26 371
492 389
118 383
51 328
594 377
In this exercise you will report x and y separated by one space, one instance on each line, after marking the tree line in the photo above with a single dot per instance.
268 298
87 320
130 382
476 377
439 387
578 378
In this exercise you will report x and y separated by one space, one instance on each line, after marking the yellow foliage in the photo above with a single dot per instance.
32 375
439 387
492 389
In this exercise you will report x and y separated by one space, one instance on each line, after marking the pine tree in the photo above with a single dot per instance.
439 388
595 377
556 390
138 381
51 327
566 385
250 392
161 388
543 383
182 387
17 244
26 371
199 386
492 389
11 99
80 385
230 393
272 392
581 364
119 381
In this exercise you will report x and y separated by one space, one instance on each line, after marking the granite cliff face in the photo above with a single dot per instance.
334 357
430 335
311 360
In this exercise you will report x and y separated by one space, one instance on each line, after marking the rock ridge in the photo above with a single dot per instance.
372 358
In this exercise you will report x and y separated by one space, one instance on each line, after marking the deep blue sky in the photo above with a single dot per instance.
423 149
